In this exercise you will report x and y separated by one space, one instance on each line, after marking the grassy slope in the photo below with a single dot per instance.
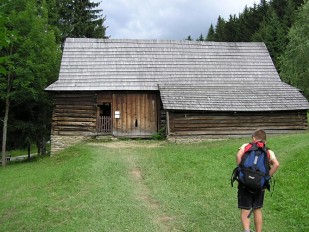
196 186
174 187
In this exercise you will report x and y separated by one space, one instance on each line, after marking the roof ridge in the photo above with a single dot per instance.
158 41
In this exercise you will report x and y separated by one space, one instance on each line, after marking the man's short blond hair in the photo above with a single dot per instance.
259 135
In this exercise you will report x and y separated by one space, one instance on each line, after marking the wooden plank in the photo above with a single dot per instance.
83 114
76 107
214 133
75 133
117 123
72 128
242 118
77 101
143 104
123 112
149 113
232 129
76 123
129 113
231 123
74 94
239 114
104 97
260 124
75 119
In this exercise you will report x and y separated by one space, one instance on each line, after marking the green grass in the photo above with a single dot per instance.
20 152
149 186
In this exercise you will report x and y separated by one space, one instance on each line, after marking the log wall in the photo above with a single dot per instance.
77 113
141 115
74 114
235 124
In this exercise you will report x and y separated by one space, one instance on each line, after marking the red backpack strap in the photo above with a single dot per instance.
247 147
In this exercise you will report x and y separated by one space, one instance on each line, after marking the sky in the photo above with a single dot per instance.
166 19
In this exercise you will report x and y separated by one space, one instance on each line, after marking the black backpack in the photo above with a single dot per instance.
253 170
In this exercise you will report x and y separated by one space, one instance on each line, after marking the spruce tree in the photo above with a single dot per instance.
231 29
211 34
220 35
295 60
80 19
289 14
273 33
200 38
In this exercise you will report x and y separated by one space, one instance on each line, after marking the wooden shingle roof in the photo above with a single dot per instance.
190 75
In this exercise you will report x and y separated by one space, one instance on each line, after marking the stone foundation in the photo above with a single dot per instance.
60 142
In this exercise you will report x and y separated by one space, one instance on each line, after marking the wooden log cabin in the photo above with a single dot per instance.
133 88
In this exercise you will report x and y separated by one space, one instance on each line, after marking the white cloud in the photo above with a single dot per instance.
165 19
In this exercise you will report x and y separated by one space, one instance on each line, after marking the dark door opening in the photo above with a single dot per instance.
104 118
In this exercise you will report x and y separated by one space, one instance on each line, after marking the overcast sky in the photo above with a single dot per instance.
166 19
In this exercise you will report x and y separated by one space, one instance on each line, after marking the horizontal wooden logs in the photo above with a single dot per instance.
78 112
73 119
239 123
72 128
74 114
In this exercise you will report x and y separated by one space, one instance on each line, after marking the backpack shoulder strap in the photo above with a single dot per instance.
248 147
256 146
267 152
264 148
234 175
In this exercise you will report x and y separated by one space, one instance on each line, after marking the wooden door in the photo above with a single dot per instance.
135 114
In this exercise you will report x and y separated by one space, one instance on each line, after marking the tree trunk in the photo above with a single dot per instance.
44 144
29 150
38 147
5 127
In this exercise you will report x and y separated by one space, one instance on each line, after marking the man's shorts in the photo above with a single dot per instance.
248 199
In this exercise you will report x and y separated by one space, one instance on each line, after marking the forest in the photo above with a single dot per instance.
32 33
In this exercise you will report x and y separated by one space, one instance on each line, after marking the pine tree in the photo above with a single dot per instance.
249 22
244 34
80 19
189 38
211 34
289 14
220 35
201 38
231 29
273 33
279 7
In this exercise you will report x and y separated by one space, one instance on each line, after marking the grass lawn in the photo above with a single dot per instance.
149 186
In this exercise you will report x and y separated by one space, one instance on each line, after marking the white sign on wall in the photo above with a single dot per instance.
117 114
